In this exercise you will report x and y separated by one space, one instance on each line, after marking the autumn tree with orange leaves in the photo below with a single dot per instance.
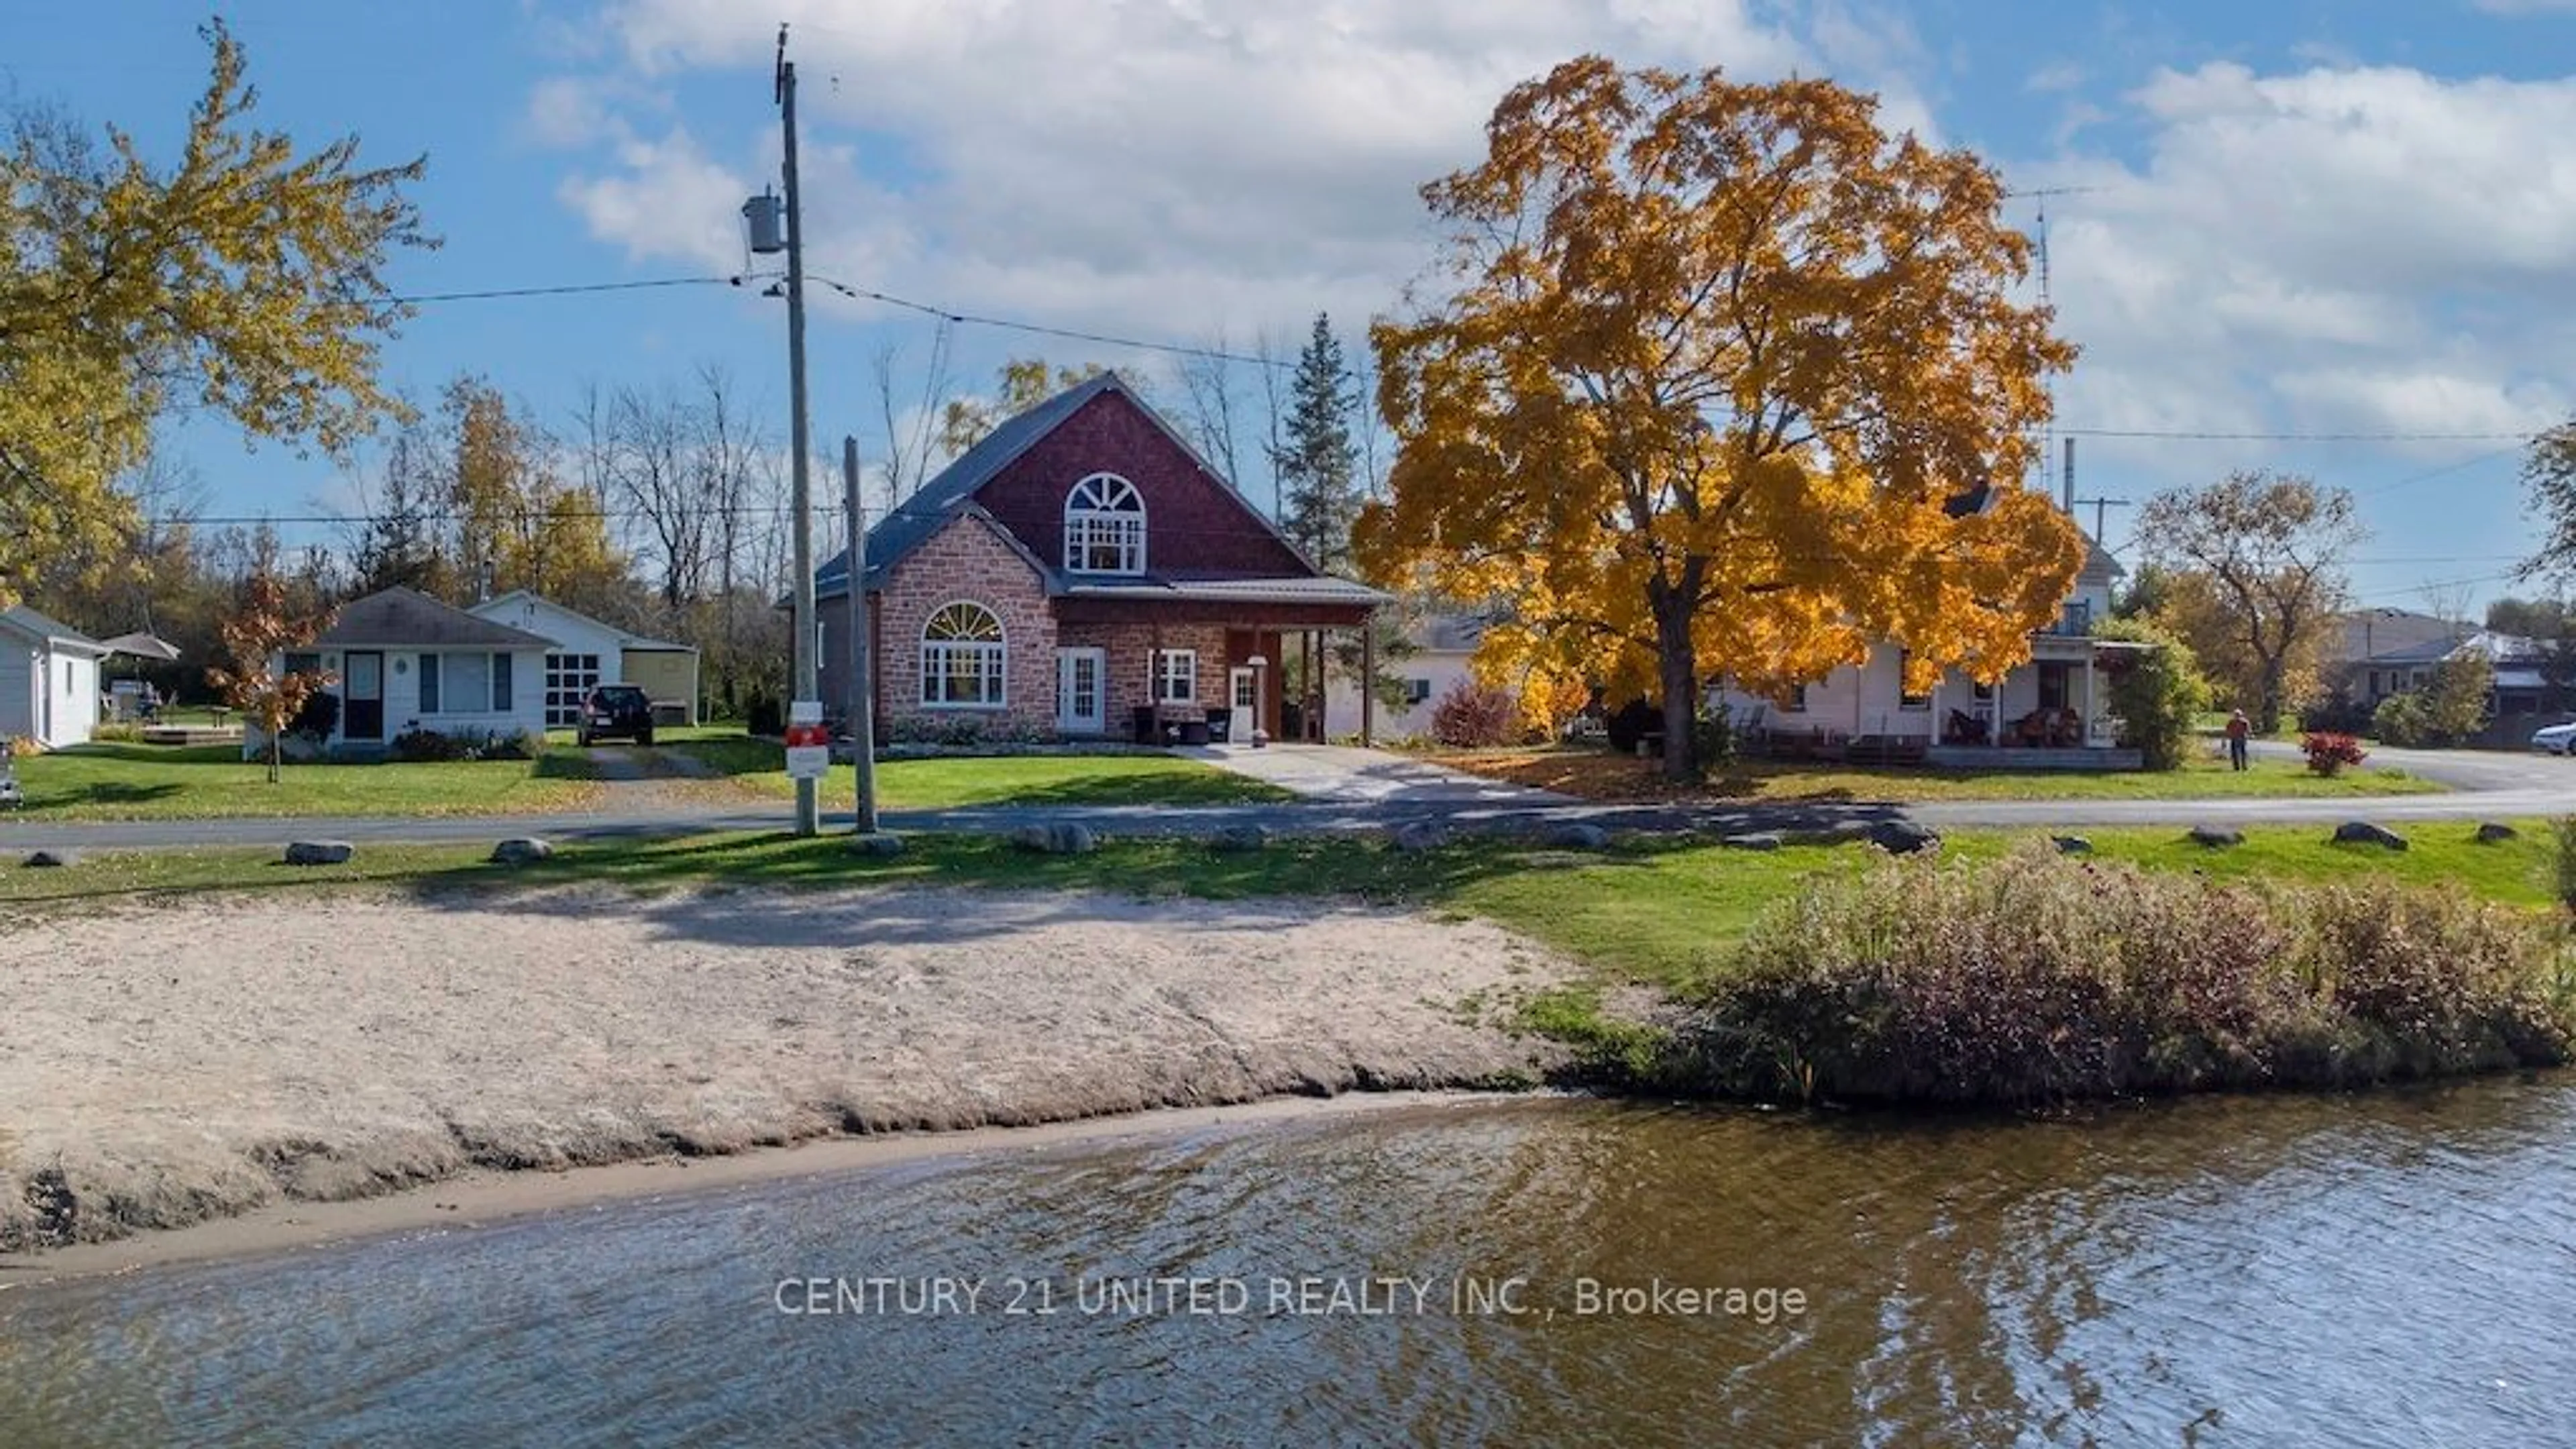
261 629
1726 380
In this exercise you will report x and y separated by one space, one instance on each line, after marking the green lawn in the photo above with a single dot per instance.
102 781
940 784
1656 911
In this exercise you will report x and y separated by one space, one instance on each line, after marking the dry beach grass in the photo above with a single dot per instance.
171 1063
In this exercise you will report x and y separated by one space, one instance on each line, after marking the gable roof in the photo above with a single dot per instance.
913 521
625 639
47 630
407 618
2398 636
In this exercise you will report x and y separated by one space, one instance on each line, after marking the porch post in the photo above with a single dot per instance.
1368 678
2092 706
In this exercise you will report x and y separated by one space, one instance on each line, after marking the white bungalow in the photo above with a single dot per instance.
48 679
2051 711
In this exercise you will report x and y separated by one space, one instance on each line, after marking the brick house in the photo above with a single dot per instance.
1081 573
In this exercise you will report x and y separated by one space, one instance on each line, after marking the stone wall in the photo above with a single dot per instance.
1129 647
964 562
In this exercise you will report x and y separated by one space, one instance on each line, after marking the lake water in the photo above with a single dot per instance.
2393 1269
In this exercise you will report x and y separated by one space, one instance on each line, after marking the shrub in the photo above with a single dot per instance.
317 717
764 714
1713 736
501 745
1632 722
2329 753
417 745
2039 978
2566 863
117 733
941 727
2338 715
1475 716
2157 693
2403 721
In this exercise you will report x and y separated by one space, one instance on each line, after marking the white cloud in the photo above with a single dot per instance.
2332 249
2362 250
1159 167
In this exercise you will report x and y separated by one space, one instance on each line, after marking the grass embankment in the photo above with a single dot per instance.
759 767
102 781
1593 774
1999 972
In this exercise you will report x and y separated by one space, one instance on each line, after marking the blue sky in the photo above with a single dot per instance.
2294 217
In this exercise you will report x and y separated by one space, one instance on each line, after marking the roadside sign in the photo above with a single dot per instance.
809 745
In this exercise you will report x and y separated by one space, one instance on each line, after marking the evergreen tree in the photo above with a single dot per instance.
1318 468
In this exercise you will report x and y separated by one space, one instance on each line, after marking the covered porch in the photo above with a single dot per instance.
1202 662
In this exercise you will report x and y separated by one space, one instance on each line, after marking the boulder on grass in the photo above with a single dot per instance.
1419 835
1903 837
522 850
1030 837
1578 835
1752 840
51 859
2071 844
319 852
1235 839
2493 833
1071 838
2362 832
881 843
2216 837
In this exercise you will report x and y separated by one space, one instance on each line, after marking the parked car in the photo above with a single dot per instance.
616 711
2556 739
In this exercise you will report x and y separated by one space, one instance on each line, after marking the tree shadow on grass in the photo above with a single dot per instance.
100 792
770 890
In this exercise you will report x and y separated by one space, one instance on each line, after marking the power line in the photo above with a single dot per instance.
568 289
2187 436
944 314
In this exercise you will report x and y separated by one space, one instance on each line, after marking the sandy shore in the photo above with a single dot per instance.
167 1065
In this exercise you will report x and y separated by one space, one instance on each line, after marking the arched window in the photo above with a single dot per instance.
1104 526
961 658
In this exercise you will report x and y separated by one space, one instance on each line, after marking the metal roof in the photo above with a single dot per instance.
625 640
407 618
916 518
1293 590
49 630
913 521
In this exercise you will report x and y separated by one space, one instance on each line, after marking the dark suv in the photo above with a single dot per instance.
616 711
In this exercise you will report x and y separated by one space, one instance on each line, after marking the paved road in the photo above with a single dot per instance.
2487 785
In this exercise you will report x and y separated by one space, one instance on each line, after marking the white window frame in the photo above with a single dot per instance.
991 656
1104 511
1186 675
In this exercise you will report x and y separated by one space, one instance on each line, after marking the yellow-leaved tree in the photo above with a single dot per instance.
242 278
1725 380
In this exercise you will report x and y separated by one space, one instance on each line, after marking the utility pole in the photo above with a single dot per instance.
800 498
2099 506
863 694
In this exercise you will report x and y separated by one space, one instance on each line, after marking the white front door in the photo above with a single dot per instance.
1079 707
1245 696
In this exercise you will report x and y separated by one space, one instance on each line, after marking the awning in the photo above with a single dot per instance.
142 646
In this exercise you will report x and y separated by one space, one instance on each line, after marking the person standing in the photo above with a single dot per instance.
2238 729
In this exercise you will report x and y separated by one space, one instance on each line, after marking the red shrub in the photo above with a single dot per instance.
1475 716
2329 752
